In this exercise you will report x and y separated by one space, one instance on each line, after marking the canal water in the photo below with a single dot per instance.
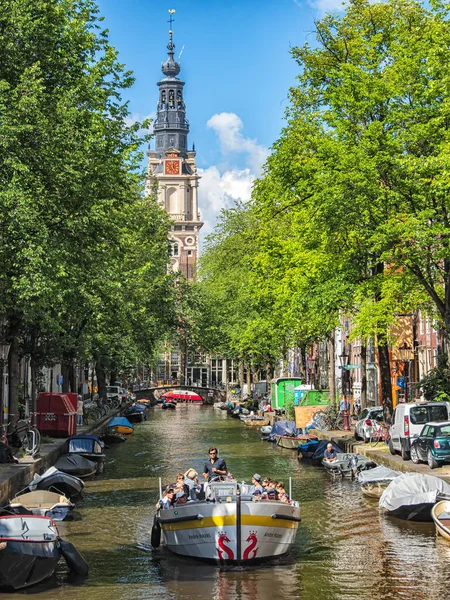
344 548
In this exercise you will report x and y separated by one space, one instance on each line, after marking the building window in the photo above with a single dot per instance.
189 252
174 249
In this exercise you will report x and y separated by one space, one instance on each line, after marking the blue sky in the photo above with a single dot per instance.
237 68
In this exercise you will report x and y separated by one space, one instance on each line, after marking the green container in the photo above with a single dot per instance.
315 398
282 390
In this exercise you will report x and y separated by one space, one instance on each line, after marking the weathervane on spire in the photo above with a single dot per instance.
171 20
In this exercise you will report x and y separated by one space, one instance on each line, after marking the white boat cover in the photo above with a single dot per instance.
37 478
411 489
380 473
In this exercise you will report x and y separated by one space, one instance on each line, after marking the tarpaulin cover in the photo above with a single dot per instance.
85 444
411 489
322 446
53 479
77 465
284 428
380 473
116 421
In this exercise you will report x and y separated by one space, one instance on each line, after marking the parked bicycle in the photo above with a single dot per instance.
381 433
328 420
23 435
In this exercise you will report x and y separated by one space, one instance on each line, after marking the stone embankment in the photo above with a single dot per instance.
16 476
380 454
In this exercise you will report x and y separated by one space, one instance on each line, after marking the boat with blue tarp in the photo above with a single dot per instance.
89 446
119 425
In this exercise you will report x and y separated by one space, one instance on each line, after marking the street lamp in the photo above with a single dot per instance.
405 355
344 359
4 351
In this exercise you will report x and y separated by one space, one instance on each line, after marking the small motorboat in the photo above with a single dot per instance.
373 482
30 549
319 451
254 421
284 428
348 465
135 413
168 405
411 496
89 446
75 464
57 481
307 449
42 503
440 513
239 410
112 436
121 425
266 430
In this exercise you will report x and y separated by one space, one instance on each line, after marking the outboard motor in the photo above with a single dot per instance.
353 465
155 538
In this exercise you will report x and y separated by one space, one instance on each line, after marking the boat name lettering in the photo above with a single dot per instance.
273 535
197 536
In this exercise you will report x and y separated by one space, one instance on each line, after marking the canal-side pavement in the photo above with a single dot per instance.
16 476
380 454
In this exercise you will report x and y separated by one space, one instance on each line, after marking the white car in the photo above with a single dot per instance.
367 422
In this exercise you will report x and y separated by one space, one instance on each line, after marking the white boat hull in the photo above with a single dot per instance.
210 531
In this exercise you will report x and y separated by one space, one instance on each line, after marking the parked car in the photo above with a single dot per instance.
113 392
368 419
432 445
408 421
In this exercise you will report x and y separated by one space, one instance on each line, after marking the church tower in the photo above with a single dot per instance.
172 169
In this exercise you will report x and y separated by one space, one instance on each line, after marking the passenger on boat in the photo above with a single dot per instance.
215 468
258 491
168 500
330 454
191 480
270 491
181 490
282 495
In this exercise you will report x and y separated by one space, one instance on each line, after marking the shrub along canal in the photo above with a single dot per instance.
345 549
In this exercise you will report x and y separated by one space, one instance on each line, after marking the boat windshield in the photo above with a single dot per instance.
221 489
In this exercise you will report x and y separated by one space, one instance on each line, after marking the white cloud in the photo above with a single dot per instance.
221 188
228 127
129 121
322 6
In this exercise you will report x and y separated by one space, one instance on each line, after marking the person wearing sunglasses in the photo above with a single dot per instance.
215 468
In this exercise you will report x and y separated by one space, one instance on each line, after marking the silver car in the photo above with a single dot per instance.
367 422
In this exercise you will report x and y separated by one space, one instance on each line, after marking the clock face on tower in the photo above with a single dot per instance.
172 167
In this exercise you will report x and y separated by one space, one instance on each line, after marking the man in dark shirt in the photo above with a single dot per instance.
215 468
330 454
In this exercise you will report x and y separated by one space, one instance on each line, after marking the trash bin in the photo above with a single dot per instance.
56 415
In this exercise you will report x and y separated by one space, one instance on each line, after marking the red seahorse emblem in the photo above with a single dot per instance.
222 549
251 548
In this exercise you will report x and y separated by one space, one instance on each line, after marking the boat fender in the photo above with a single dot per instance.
155 538
73 558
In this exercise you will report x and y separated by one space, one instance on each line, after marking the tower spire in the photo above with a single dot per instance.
170 67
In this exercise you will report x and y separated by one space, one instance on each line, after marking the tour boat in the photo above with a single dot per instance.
182 396
229 526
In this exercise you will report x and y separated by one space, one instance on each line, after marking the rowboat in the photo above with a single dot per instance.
292 442
440 514
252 421
42 503
229 526
373 482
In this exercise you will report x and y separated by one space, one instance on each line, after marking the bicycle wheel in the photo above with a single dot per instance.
339 423
375 438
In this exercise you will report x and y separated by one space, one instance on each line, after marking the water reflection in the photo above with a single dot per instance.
345 549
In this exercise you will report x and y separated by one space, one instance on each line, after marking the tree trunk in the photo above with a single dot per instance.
249 379
34 376
363 375
72 377
332 366
385 378
101 378
241 374
13 381
65 370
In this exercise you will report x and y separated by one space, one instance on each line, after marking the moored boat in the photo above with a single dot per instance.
373 482
348 465
292 442
229 526
121 425
411 496
90 447
42 503
254 421
77 465
168 405
440 513
135 413
57 481
30 548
